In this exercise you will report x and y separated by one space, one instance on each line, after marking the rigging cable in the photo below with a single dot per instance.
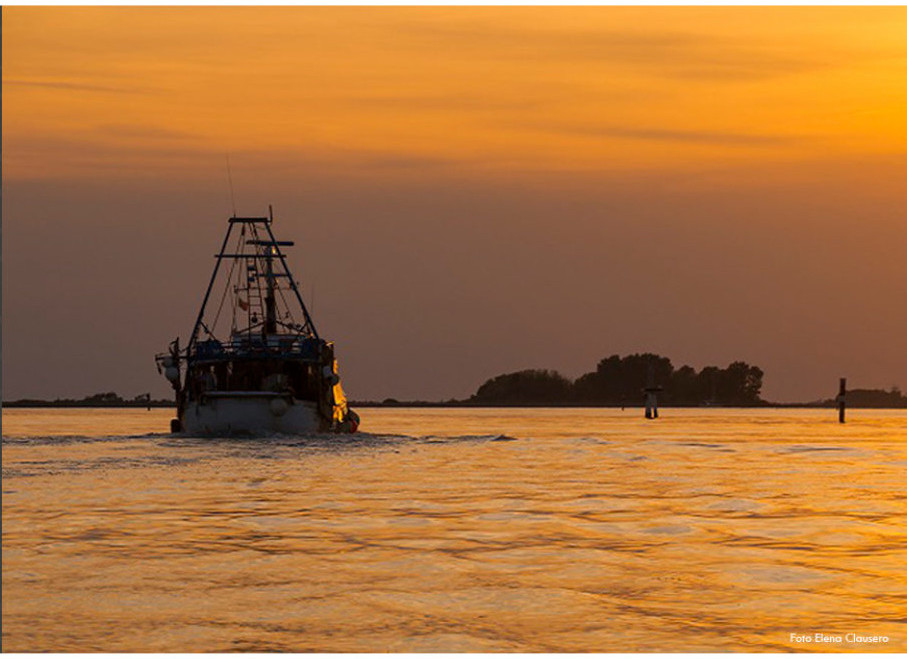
261 297
286 306
227 287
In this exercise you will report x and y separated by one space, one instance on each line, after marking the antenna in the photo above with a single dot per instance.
230 180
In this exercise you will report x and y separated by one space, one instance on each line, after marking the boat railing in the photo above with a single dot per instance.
257 347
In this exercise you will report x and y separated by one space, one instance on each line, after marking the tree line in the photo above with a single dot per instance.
615 381
621 380
105 399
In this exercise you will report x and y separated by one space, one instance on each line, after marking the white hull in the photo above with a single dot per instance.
250 413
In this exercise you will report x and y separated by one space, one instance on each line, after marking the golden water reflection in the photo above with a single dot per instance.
453 530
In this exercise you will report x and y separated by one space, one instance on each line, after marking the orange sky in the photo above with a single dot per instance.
498 89
529 134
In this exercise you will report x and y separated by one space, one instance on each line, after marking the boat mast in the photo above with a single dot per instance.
270 326
271 252
309 323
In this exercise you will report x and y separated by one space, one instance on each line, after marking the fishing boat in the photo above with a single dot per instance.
256 365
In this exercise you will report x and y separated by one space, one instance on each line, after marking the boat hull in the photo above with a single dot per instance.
251 413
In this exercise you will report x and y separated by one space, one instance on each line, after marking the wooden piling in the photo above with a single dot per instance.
651 405
842 400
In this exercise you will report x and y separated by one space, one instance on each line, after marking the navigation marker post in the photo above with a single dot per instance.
651 392
842 400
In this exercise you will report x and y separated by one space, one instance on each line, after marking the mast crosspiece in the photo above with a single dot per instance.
265 268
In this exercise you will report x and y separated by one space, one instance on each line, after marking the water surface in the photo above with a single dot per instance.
554 530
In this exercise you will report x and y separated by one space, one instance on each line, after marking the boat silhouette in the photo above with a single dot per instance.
269 371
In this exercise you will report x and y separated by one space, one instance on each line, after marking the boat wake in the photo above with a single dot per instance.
134 451
45 440
276 440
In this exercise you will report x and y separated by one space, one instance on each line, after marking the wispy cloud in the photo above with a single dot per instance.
71 86
446 103
672 135
671 54
127 131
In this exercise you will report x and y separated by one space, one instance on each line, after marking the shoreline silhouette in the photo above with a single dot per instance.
616 382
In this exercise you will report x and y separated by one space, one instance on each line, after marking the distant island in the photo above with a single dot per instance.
871 398
619 381
107 399
616 382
